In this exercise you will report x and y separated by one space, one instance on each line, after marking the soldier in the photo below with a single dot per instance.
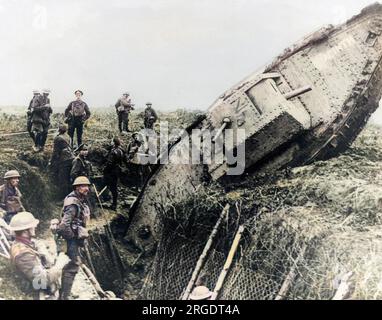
45 102
72 228
80 165
40 121
201 293
10 195
123 108
150 116
31 260
61 161
76 114
115 158
133 146
33 102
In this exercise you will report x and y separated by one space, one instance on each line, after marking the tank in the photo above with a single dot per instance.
309 104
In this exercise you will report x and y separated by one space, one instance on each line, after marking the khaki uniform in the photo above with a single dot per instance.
41 120
76 214
33 267
111 173
150 117
81 167
61 162
123 108
10 198
76 114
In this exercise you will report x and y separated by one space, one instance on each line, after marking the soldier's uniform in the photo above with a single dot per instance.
76 114
10 198
123 108
61 162
133 147
76 214
34 102
150 117
81 167
39 269
115 158
45 101
40 122
31 266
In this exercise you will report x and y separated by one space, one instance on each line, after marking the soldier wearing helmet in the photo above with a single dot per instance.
41 121
10 195
76 114
123 108
31 259
75 216
133 146
150 116
112 171
34 102
200 293
81 166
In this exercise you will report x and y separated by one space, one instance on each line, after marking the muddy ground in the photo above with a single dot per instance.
336 203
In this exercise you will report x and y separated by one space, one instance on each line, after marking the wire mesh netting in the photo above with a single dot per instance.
258 271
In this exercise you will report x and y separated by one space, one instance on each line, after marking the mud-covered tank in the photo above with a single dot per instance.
309 104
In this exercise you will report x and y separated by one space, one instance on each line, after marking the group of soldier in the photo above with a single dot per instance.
31 259
73 173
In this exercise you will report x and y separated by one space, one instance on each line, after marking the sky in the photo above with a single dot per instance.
174 53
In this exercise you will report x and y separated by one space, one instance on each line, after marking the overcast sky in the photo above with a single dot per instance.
174 53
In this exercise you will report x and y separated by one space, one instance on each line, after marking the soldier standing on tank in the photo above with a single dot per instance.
75 216
10 195
112 171
123 108
76 114
32 104
61 161
150 116
30 260
40 121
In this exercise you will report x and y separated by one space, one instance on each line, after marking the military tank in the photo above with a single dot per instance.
309 104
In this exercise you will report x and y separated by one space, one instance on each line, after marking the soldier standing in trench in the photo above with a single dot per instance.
76 114
75 216
80 165
10 195
112 171
32 261
61 161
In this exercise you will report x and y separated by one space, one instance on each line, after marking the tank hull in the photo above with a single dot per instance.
342 68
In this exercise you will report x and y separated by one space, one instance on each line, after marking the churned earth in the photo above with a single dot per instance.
335 205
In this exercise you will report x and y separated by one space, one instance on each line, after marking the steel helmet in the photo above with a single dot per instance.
200 293
11 174
81 181
36 92
46 91
149 104
23 221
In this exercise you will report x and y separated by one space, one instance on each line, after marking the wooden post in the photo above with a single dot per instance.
228 262
202 258
290 277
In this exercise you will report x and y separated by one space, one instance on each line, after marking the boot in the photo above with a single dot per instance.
66 286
